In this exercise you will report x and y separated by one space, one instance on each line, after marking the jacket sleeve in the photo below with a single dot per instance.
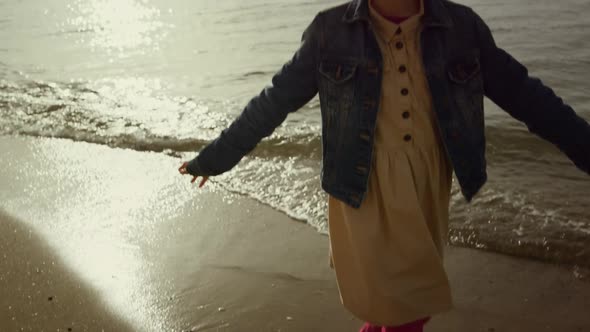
292 87
508 84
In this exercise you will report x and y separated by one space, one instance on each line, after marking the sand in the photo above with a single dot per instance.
101 239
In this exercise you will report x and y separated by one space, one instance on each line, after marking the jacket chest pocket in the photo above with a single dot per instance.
337 89
466 83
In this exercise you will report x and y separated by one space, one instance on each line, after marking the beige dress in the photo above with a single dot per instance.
387 254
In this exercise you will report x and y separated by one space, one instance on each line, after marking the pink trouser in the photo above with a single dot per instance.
417 326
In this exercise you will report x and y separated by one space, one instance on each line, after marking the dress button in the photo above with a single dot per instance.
405 92
408 138
406 114
399 45
402 69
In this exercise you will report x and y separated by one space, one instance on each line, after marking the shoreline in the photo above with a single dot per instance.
135 247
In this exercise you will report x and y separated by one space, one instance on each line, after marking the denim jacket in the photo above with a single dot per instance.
339 57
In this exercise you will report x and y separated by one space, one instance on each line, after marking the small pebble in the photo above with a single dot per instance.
50 298
289 318
221 309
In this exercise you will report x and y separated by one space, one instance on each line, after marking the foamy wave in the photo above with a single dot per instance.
126 116
283 171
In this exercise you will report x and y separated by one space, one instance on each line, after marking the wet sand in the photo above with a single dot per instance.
39 292
121 242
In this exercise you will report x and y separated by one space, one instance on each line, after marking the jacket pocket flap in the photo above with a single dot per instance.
464 67
337 72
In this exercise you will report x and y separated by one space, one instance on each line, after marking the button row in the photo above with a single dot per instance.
402 69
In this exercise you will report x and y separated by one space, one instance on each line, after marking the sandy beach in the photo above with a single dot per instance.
101 239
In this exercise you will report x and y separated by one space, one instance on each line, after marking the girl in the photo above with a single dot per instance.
401 85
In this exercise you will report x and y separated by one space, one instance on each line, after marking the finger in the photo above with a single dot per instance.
182 168
203 181
194 179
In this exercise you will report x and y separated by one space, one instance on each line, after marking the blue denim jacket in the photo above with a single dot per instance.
339 57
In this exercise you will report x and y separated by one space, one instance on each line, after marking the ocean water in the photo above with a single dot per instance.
168 76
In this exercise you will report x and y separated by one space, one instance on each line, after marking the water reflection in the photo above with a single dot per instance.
118 25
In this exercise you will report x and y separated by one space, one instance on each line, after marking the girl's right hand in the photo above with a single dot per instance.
183 171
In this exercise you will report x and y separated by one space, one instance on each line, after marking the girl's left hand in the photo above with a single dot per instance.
183 171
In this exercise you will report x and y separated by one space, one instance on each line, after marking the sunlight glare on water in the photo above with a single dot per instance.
118 25
103 218
109 224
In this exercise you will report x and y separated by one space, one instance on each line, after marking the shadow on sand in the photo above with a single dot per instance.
39 293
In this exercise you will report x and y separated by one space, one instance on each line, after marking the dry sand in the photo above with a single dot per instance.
95 239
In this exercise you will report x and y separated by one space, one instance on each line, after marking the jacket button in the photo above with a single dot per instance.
399 45
372 67
406 114
402 69
368 104
365 137
338 72
408 138
405 92
361 170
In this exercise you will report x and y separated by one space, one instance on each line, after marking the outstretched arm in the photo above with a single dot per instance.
292 87
508 84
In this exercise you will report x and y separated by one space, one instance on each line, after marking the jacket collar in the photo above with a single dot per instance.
435 13
388 30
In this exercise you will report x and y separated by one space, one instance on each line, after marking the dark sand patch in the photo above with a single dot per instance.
39 293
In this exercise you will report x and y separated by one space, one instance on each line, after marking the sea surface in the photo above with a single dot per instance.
168 76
